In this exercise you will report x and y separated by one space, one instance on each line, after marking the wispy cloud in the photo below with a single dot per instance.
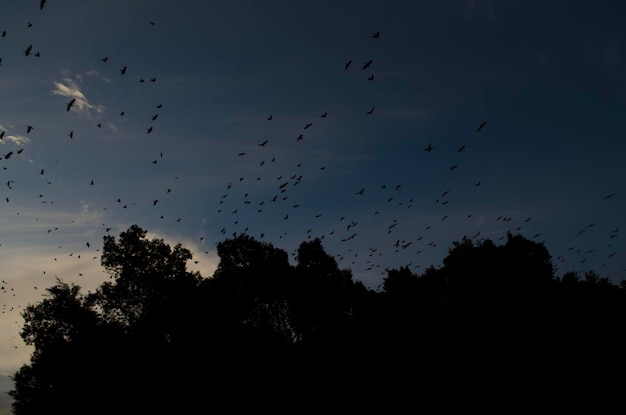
5 138
70 88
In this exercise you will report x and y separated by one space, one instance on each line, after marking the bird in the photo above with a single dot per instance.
370 78
376 35
263 143
29 24
428 148
71 134
307 125
4 33
2 135
154 117
461 148
367 64
159 105
105 59
69 104
29 128
300 137
28 49
123 70
371 111
609 195
269 118
152 79
347 65
41 4
324 115
453 167
360 192
480 127
149 130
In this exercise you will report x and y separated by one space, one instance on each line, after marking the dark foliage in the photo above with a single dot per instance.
493 328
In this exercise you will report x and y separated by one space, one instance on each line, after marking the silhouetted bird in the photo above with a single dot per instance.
269 118
263 143
155 116
41 4
159 106
367 64
460 149
371 111
370 78
28 49
29 128
69 104
347 65
307 125
360 192
429 148
105 59
453 167
71 134
609 195
324 115
149 130
123 70
480 127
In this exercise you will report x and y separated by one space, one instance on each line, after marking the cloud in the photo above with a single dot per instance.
70 89
16 139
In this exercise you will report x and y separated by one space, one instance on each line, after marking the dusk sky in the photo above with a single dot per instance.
182 144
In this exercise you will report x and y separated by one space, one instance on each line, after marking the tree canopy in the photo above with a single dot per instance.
493 327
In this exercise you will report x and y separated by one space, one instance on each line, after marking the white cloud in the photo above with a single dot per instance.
70 89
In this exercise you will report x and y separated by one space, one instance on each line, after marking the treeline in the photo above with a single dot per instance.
493 328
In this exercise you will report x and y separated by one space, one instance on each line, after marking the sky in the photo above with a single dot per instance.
245 117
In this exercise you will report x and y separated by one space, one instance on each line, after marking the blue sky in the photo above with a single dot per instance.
547 76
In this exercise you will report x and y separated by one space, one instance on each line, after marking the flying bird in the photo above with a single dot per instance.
69 104
307 125
263 143
367 64
480 127
41 4
429 148
149 130
71 134
371 111
376 35
324 115
347 65
461 148
28 49
370 78
269 118
29 128
123 70
2 135
154 117
105 59
453 167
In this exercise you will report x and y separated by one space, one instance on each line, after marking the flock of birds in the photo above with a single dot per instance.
249 204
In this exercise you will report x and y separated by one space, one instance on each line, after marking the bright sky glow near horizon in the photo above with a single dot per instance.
181 143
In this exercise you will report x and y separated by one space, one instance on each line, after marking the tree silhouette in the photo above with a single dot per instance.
493 327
